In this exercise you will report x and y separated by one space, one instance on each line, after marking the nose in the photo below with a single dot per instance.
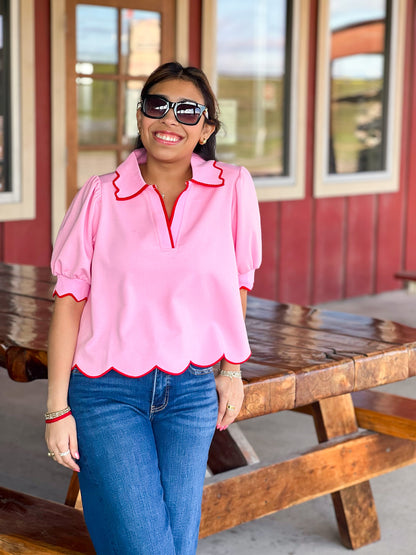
169 116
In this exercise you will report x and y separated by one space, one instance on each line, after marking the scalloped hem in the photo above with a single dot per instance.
156 366
56 294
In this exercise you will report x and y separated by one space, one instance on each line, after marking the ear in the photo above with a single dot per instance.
207 130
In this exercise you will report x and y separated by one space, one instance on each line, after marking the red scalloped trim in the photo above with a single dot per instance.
56 294
161 369
219 177
117 189
246 288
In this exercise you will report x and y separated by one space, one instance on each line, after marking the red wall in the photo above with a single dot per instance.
28 242
314 249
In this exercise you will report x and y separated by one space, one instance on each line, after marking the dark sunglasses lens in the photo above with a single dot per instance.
155 107
188 113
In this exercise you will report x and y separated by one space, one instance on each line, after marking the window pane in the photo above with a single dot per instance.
252 61
132 94
96 40
97 111
359 83
140 41
94 162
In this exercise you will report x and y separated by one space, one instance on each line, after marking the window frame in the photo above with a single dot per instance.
276 187
359 183
20 202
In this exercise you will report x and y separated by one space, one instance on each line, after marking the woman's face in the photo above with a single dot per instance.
166 139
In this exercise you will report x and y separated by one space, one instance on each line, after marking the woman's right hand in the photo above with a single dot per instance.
61 439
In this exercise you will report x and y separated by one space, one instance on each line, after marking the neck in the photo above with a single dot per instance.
165 173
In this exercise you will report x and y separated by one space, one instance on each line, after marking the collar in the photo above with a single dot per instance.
129 182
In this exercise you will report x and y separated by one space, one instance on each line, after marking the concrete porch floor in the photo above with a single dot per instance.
306 529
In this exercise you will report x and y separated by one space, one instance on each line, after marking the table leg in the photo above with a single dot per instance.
354 506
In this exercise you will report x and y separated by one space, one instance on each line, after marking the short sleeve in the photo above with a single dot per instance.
246 229
74 245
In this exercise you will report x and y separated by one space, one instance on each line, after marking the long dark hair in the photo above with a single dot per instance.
174 70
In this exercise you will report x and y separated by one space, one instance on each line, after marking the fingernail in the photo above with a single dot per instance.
76 455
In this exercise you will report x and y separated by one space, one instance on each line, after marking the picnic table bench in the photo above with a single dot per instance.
409 278
314 361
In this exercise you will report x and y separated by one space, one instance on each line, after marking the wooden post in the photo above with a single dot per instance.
354 506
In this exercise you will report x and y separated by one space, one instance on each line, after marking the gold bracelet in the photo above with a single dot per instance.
230 373
55 414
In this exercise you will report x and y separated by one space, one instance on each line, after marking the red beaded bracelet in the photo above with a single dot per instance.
50 420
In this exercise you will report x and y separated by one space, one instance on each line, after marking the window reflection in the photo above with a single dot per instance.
97 37
358 85
140 41
97 116
253 82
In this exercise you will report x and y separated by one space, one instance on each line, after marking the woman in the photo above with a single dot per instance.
153 264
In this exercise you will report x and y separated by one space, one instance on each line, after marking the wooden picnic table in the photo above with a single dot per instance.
305 359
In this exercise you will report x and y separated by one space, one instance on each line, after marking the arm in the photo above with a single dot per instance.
230 390
61 436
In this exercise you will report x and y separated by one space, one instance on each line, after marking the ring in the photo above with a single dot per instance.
230 407
51 454
64 453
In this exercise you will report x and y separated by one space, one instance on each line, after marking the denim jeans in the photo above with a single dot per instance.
143 445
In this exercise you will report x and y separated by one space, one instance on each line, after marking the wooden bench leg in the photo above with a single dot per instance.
230 449
354 506
73 495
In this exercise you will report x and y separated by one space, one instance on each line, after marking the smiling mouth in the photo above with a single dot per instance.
167 137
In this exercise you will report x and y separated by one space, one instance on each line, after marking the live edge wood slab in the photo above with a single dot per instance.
303 359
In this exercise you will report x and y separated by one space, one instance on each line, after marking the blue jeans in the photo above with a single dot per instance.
143 445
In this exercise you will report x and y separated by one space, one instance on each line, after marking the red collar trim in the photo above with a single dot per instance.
128 182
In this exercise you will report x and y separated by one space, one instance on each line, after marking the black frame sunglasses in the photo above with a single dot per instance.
186 112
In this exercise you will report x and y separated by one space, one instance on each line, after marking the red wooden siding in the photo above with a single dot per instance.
360 246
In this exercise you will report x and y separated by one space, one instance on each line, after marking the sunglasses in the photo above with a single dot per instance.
186 111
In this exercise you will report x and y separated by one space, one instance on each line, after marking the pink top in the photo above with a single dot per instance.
159 292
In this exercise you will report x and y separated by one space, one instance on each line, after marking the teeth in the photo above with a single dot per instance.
169 138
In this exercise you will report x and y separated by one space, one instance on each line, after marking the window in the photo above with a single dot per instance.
258 70
359 90
102 50
17 110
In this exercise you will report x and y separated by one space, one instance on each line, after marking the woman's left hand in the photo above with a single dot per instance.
230 398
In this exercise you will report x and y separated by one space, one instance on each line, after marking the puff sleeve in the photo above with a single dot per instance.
74 245
246 229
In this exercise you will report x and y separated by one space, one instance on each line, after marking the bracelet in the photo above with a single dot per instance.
50 420
230 373
56 414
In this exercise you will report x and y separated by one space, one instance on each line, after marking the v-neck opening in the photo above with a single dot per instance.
170 221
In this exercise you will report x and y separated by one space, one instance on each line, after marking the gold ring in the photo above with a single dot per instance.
230 407
51 454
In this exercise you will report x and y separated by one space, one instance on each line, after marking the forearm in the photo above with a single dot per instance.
225 365
61 347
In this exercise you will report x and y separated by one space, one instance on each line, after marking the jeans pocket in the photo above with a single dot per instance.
200 370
